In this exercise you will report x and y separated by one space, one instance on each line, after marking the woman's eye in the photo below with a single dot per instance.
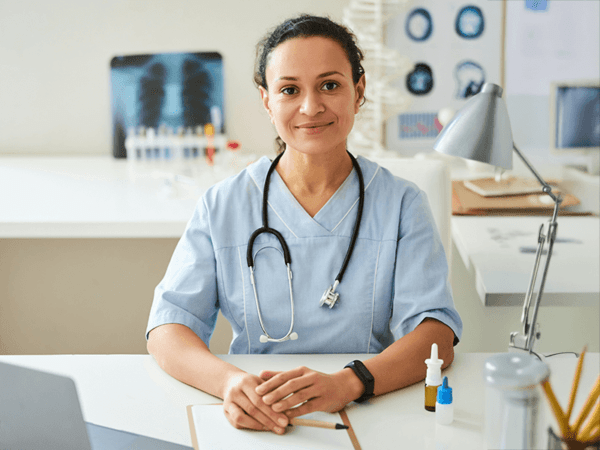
288 90
330 85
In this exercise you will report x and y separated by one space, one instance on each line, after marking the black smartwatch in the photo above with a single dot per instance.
365 376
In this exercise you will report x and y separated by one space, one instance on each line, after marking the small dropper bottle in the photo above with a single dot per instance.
433 379
444 409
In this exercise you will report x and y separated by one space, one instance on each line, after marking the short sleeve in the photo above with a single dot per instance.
421 284
187 294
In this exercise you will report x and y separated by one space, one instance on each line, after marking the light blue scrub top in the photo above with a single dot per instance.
397 276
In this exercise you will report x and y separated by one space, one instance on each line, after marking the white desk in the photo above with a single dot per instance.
131 393
92 197
490 249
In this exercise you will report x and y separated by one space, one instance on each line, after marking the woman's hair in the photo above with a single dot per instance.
306 26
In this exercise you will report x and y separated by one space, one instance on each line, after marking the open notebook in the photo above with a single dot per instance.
210 429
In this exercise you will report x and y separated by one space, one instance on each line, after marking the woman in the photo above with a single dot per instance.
394 298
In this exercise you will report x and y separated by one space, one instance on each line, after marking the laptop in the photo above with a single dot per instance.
39 410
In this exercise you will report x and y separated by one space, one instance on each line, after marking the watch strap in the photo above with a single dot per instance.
365 377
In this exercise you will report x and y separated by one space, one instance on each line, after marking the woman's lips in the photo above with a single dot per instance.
314 128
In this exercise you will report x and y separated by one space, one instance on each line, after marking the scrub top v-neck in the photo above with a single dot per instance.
397 275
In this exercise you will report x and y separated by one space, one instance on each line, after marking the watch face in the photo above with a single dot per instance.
365 377
361 371
366 373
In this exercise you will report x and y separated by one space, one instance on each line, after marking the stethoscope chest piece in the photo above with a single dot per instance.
330 297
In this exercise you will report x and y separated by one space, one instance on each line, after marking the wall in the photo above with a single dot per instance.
560 42
55 56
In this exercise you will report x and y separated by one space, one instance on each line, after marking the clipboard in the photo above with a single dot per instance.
223 435
489 187
467 202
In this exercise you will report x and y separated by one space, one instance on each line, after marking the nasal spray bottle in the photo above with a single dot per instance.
433 379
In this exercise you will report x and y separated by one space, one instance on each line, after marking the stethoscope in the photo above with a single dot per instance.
330 297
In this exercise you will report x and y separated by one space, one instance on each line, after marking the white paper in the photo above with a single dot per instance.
560 43
214 432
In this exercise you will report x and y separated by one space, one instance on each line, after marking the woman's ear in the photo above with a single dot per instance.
264 95
359 90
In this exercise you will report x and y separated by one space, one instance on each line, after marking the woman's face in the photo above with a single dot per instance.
311 97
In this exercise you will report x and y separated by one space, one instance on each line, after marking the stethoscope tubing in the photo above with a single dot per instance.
286 253
361 203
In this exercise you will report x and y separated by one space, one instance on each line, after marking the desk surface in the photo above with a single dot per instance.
131 393
94 197
490 249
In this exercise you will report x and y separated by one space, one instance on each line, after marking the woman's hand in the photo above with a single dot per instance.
311 390
244 408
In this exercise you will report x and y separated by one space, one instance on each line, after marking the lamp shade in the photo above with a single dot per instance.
480 130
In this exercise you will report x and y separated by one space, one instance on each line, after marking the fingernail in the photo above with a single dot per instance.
279 430
282 422
259 390
277 407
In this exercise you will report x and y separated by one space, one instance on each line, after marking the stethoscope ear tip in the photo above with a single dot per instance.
263 339
294 336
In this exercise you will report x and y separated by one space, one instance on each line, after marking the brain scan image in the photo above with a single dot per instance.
469 22
420 80
469 77
419 25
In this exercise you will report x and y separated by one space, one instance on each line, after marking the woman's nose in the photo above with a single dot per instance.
311 104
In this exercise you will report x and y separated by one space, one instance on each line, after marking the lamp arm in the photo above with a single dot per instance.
530 332
546 187
550 238
529 294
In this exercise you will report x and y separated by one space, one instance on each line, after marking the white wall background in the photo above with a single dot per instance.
55 59
561 43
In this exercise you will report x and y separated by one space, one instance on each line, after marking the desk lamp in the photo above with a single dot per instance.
480 131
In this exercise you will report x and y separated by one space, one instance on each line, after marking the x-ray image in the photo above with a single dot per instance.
469 77
419 25
167 89
469 22
420 80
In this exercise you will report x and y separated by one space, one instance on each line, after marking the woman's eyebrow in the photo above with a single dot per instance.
323 75
328 74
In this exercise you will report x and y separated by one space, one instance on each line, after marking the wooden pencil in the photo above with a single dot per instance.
589 429
593 437
590 437
575 384
592 423
589 403
317 423
558 413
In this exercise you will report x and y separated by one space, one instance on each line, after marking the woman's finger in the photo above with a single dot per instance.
241 393
266 375
278 380
295 399
304 408
259 420
256 407
289 391
239 419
